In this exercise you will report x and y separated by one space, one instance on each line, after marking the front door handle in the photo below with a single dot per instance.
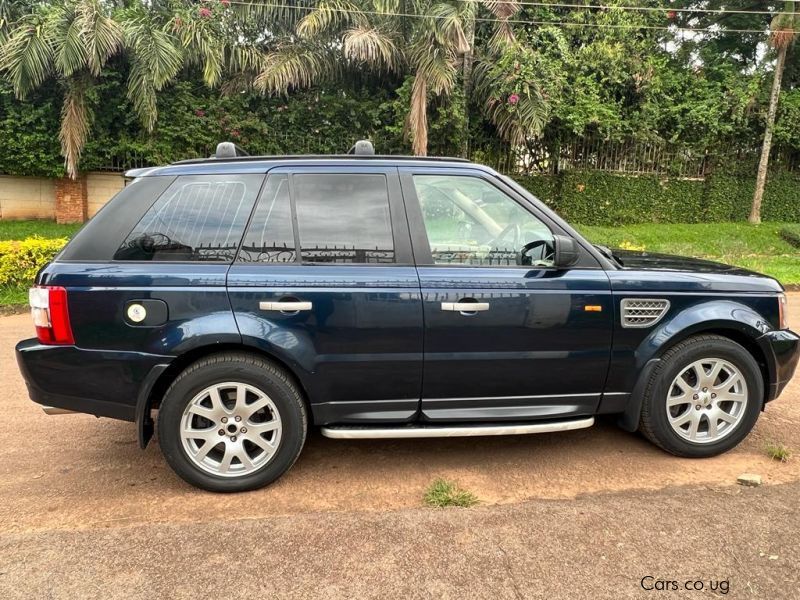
285 306
465 307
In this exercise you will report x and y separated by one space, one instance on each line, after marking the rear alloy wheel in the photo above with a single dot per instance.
703 398
231 429
232 422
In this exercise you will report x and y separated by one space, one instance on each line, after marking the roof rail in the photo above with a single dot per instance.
229 150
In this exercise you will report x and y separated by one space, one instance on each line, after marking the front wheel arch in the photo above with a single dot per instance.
629 418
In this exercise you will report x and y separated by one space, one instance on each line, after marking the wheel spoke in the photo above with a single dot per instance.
259 428
730 382
259 441
681 419
681 383
714 373
727 417
684 398
227 458
712 425
254 407
206 413
694 425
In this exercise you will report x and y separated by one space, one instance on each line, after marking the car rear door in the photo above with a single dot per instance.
503 340
325 281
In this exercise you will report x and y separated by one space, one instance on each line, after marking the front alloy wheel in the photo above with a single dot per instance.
707 400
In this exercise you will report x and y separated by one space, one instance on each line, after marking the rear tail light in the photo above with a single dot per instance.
50 315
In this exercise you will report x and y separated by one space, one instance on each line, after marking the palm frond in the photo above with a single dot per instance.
74 124
502 9
437 65
65 31
101 34
369 45
27 55
447 24
204 46
330 14
294 66
155 58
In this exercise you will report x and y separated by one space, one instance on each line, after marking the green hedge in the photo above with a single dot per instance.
599 198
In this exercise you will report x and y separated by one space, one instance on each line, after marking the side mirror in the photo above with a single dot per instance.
566 252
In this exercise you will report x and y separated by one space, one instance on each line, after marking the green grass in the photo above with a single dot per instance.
442 493
11 295
757 247
19 230
777 451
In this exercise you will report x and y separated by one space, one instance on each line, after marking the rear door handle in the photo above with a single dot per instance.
465 307
285 306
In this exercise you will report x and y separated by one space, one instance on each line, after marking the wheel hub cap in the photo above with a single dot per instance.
231 429
706 400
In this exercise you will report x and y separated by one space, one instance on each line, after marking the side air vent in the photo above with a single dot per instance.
643 312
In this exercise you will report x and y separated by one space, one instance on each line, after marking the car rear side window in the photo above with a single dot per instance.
270 235
198 218
343 218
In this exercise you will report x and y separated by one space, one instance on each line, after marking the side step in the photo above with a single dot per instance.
356 432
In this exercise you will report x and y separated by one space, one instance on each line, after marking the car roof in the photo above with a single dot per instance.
261 164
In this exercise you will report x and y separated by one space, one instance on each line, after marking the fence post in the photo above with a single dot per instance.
72 200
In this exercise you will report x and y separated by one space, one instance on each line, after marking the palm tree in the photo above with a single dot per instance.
429 39
72 43
783 32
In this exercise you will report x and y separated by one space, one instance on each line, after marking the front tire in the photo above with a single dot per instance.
703 398
232 422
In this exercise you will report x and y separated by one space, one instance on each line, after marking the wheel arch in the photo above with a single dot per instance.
161 377
731 320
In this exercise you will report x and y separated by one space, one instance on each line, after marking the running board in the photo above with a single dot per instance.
343 432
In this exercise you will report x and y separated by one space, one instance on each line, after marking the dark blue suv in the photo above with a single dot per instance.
243 299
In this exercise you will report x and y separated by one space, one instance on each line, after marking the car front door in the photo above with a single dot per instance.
325 281
507 335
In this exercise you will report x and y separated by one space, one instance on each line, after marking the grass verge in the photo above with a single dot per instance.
19 230
442 493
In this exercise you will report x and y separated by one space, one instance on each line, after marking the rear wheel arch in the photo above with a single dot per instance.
166 375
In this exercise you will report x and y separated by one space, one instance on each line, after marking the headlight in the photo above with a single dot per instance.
782 318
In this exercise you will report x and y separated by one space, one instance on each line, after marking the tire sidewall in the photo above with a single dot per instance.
184 389
715 348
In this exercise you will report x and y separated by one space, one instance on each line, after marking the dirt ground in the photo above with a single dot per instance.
85 513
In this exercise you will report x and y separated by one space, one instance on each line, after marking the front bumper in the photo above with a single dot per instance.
782 348
97 382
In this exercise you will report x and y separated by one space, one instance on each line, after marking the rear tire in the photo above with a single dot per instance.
703 398
232 422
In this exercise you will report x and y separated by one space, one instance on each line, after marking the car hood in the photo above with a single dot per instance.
646 261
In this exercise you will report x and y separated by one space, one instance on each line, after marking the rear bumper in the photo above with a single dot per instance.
782 348
96 382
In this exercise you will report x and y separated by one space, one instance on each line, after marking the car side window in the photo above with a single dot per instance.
471 222
270 235
197 218
343 218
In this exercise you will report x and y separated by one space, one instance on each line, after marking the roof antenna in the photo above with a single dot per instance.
229 150
362 147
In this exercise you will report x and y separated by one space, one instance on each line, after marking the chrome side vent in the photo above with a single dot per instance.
643 312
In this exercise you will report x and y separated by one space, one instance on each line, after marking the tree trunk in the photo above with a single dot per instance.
761 179
418 116
469 58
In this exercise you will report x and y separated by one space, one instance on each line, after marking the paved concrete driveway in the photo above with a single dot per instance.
85 513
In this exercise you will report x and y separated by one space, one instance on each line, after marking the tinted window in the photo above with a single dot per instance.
343 218
469 221
198 218
270 236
